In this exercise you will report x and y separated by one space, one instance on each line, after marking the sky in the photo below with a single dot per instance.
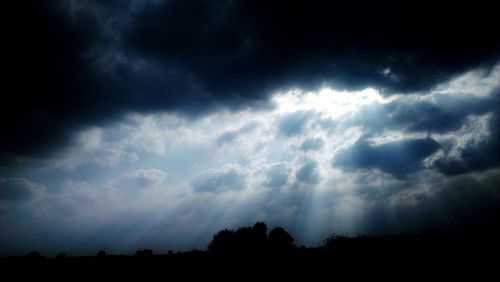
153 124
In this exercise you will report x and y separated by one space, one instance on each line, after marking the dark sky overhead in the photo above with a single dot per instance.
152 124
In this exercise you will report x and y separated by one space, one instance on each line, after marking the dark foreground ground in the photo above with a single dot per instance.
403 258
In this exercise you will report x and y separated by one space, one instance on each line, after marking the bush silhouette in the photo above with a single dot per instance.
101 254
61 256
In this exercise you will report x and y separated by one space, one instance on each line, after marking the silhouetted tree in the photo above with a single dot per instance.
101 254
259 242
243 240
280 240
260 231
61 256
223 241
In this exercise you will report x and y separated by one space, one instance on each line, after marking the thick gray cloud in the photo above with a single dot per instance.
425 117
276 176
397 158
308 173
461 115
479 154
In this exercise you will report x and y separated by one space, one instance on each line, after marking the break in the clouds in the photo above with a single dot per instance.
315 162
152 124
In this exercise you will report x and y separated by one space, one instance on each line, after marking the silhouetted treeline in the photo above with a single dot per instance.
254 240
253 247
251 240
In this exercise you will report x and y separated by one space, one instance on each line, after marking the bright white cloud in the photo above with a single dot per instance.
328 102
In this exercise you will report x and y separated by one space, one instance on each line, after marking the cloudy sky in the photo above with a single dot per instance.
155 123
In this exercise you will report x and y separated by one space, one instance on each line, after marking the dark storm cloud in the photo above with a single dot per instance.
414 116
397 158
74 63
476 156
263 45
426 117
54 85
480 155
441 114
446 115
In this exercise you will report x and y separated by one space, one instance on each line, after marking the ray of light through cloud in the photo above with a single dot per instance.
315 162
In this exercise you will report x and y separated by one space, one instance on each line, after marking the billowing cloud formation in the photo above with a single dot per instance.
78 63
315 162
